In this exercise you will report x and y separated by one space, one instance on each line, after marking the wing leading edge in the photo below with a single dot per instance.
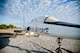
64 24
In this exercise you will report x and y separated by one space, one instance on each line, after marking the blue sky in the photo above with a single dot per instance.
13 11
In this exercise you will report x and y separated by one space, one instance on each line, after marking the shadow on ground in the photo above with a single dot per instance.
4 41
27 51
67 50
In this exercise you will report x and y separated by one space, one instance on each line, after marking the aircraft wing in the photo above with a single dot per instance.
64 24
51 20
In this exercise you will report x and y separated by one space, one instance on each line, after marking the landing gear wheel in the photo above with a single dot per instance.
58 50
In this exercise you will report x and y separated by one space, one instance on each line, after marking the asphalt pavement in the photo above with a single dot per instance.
41 44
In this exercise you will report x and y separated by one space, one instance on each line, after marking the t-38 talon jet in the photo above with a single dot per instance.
54 27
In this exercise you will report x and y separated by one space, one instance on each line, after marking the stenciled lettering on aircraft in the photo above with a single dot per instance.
44 30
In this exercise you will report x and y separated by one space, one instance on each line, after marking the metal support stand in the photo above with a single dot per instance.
58 50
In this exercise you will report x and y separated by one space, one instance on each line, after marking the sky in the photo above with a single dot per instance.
15 11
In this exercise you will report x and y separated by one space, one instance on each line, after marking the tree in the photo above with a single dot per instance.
11 26
3 26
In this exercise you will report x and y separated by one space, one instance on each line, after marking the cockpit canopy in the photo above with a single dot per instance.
51 19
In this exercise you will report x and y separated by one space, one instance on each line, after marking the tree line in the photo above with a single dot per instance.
4 26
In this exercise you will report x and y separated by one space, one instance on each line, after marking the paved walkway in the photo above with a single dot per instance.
41 44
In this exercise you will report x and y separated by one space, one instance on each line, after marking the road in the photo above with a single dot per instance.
41 44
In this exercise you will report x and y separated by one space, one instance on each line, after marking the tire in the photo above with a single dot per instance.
58 50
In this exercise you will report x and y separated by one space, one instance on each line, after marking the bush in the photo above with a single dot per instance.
11 26
4 26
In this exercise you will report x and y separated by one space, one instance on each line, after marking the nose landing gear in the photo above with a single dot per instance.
58 50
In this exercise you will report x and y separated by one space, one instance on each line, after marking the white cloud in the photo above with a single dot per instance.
35 8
